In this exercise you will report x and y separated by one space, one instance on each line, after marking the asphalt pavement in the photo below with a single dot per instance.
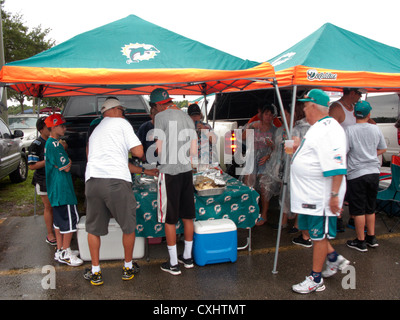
28 270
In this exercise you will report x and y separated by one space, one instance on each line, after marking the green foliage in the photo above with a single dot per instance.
20 42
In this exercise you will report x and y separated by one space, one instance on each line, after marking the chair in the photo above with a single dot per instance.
388 200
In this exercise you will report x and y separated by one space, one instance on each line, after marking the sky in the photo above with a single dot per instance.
257 30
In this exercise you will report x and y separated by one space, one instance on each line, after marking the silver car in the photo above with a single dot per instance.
13 160
27 124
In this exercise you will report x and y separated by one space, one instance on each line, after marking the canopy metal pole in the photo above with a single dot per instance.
285 175
38 113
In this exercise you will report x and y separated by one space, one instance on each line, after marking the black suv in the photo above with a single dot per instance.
13 161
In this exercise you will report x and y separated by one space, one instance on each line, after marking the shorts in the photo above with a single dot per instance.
318 227
106 198
65 218
362 193
175 197
40 190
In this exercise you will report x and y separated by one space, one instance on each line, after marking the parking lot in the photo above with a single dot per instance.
29 272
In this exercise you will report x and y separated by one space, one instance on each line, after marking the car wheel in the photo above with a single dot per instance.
21 173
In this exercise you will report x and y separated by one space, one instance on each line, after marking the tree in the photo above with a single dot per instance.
21 43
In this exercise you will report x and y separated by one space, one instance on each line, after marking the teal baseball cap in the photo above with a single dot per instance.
317 96
362 109
160 96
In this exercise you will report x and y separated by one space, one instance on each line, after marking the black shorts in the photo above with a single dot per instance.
175 197
361 193
65 218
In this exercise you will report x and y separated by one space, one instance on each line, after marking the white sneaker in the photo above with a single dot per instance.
68 258
309 285
332 267
58 252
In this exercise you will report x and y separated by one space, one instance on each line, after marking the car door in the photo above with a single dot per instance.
9 151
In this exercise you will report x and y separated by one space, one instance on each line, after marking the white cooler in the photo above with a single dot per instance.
111 245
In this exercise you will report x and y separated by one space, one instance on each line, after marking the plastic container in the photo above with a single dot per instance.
215 241
111 247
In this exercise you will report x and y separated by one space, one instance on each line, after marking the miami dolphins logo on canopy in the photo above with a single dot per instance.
136 52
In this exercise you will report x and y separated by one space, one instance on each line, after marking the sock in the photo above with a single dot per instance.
187 253
332 256
316 276
128 264
173 256
95 269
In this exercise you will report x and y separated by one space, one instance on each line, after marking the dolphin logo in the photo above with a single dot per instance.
137 52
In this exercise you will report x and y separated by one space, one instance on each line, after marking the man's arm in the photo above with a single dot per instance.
137 151
334 201
336 112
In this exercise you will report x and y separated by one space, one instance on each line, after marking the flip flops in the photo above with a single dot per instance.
51 242
260 221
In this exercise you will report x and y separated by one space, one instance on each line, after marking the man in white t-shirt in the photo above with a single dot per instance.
317 187
108 186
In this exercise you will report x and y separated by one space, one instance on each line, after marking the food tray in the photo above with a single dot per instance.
210 192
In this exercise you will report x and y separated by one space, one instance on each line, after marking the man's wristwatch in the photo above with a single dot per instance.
334 194
142 170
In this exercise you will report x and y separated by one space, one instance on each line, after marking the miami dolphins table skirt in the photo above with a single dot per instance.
238 203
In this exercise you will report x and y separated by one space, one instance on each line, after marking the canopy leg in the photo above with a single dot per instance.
285 175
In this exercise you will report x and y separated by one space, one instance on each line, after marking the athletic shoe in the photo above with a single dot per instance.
332 267
95 279
174 270
309 285
357 244
135 267
371 241
127 273
68 258
302 242
58 252
187 263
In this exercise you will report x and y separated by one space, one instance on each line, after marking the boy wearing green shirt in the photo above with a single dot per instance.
60 191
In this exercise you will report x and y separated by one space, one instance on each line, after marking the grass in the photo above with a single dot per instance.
18 199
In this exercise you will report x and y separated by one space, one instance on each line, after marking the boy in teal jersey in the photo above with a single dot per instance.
60 191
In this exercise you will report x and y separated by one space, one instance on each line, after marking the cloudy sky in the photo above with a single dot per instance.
257 30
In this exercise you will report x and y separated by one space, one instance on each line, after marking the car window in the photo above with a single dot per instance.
22 122
133 104
4 131
385 107
91 105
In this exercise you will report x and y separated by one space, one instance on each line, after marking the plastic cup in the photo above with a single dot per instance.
289 146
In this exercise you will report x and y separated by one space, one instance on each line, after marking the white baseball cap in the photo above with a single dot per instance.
111 103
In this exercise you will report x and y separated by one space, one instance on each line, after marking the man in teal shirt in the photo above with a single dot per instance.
60 191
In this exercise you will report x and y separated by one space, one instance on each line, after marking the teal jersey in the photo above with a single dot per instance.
60 188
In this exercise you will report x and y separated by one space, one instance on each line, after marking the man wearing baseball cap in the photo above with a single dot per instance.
174 131
108 186
60 190
365 142
317 187
343 111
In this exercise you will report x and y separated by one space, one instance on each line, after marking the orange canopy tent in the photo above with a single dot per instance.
132 56
333 58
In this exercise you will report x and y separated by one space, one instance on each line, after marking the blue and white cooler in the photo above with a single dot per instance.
215 241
